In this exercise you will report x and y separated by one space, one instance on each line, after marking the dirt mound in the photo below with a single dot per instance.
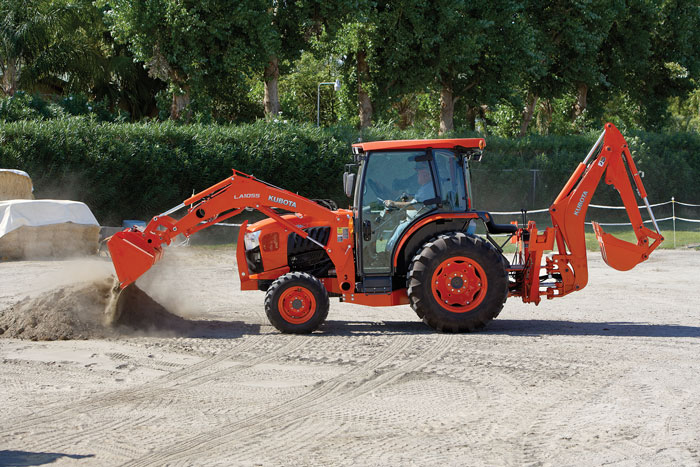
135 309
86 311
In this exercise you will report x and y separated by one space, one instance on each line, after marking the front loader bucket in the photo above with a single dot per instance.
132 255
623 255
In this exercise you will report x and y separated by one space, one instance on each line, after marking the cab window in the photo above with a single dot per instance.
450 177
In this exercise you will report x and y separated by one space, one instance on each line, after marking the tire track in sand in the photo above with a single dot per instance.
331 393
99 429
549 423
297 432
186 377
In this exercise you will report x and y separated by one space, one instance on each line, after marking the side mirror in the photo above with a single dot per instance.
348 183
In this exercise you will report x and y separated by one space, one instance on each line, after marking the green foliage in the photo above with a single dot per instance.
23 106
685 112
36 38
633 62
125 171
203 50
298 91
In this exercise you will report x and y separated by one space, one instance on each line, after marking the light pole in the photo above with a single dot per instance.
336 86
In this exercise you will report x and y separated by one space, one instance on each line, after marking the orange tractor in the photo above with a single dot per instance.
410 237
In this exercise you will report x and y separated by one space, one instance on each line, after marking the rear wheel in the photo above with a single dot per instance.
296 303
457 283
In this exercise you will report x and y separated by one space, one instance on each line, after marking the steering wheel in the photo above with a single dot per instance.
403 198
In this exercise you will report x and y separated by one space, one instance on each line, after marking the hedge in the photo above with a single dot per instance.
132 171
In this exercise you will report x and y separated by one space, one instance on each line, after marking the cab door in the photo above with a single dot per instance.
389 175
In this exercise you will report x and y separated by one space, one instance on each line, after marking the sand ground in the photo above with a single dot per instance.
609 375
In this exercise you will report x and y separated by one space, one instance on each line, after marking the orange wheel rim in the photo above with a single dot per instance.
297 305
459 284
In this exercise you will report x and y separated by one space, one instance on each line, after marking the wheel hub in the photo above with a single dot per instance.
459 284
297 305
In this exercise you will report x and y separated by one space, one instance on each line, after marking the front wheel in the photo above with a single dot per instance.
457 283
296 303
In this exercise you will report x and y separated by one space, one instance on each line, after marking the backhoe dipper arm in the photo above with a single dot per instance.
134 252
608 156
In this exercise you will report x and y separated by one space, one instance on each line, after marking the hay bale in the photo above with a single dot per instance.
15 184
50 241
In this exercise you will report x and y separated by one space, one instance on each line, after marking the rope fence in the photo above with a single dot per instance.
673 216
600 206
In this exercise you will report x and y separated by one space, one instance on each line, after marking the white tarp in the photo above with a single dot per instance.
17 213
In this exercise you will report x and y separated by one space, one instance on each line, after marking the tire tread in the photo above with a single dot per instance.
422 267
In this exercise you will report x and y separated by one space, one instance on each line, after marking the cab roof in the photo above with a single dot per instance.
476 143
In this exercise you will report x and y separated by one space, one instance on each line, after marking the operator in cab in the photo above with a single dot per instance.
425 191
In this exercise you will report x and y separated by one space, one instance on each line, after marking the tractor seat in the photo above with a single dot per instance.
500 228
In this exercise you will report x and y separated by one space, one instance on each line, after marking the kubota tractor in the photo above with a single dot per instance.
408 239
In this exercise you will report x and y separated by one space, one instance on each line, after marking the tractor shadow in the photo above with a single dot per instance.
511 327
204 329
25 458
539 327
367 328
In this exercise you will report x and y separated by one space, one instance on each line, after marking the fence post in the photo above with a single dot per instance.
673 216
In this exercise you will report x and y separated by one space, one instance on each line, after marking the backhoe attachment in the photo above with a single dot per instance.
567 271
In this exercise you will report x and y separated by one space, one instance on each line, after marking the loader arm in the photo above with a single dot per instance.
567 270
134 251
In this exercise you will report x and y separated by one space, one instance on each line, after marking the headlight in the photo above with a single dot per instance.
252 240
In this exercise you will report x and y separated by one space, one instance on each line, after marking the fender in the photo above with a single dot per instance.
425 221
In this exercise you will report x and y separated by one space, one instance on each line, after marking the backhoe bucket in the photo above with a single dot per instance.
132 255
623 255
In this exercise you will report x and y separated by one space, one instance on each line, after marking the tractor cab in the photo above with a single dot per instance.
399 184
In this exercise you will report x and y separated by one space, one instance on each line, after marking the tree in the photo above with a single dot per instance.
37 38
358 40
299 87
355 44
651 54
295 24
569 40
464 50
477 52
194 46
